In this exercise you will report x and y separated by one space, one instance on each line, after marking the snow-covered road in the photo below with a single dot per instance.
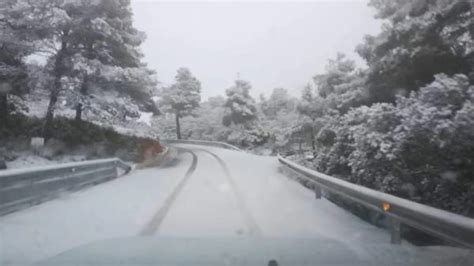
210 192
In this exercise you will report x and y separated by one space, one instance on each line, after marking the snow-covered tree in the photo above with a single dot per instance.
135 83
240 117
338 71
341 86
419 39
310 104
240 107
415 148
14 47
279 101
312 108
278 115
107 51
79 37
183 97
206 124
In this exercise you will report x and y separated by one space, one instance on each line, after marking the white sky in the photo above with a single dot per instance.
271 44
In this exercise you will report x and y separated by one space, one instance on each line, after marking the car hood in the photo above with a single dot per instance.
254 251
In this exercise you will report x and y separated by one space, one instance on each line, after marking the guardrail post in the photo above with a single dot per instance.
395 234
318 192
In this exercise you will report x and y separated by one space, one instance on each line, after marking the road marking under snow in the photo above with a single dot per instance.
252 226
154 224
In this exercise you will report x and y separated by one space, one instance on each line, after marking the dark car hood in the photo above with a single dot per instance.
254 251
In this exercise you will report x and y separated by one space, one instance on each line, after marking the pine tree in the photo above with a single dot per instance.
240 107
108 44
338 71
83 39
183 97
310 104
279 101
14 47
342 86
419 39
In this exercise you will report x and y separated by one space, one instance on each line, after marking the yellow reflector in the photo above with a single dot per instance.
386 206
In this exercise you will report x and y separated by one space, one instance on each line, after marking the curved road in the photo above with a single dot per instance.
210 192
211 204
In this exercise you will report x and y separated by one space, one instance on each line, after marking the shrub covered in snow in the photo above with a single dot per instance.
420 148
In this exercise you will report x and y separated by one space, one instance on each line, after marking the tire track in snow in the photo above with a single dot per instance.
154 224
252 226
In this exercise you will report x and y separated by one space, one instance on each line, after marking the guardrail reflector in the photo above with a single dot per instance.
386 207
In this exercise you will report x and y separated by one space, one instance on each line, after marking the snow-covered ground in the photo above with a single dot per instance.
279 206
27 159
229 194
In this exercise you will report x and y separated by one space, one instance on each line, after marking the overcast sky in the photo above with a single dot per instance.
270 44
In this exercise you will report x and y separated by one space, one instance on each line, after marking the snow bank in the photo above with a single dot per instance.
31 160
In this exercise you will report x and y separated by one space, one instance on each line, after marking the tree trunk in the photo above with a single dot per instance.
3 109
58 73
178 128
83 92
313 142
48 122
78 112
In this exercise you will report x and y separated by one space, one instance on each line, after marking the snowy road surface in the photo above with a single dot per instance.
210 192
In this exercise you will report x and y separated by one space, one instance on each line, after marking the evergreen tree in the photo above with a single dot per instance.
279 101
419 39
107 51
81 38
183 97
341 86
240 107
14 46
311 107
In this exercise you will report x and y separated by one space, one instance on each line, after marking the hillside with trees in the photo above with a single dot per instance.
78 60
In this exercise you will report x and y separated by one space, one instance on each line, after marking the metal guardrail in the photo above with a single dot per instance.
218 144
21 188
445 225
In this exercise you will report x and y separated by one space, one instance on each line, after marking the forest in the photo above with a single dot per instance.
403 124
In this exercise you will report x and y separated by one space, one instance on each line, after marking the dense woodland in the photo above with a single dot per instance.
404 124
